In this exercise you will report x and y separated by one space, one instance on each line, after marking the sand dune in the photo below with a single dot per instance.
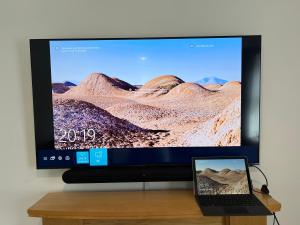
231 86
208 186
110 131
194 115
100 84
159 86
208 171
222 182
188 90
224 171
143 115
124 85
222 130
212 87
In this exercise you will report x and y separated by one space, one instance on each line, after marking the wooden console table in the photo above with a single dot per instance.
134 208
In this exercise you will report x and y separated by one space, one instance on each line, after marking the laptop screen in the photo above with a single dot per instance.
221 176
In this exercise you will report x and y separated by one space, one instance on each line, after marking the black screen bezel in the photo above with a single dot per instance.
251 70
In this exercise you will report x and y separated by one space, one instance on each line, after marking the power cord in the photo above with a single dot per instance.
275 219
264 188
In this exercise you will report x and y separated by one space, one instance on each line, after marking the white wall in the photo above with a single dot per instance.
278 22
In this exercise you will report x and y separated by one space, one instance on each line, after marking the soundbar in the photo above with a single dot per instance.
128 174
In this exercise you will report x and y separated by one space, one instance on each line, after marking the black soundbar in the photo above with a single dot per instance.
128 174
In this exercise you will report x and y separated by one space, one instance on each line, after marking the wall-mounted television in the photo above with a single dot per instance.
133 109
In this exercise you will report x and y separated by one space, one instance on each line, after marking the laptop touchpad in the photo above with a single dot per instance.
235 210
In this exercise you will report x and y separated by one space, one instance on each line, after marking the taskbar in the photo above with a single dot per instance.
47 159
100 157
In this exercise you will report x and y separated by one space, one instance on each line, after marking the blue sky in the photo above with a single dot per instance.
138 61
233 164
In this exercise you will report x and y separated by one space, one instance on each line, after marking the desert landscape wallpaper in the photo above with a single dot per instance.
226 178
141 109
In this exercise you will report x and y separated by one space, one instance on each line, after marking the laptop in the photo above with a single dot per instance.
222 187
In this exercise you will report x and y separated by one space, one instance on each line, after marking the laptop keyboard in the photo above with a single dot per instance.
229 200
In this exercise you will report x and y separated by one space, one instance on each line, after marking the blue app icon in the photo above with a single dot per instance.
98 157
82 157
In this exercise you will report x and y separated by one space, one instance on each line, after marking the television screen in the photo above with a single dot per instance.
144 101
221 177
146 93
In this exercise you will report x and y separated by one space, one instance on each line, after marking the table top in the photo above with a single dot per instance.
162 204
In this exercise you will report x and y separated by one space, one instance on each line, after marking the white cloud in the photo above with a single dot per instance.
143 58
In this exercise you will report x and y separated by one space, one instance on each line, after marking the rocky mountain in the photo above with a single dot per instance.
59 88
69 84
211 80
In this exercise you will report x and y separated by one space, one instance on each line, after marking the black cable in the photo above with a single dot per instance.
267 183
266 186
275 218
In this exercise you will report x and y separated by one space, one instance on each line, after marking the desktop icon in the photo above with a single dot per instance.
59 158
82 157
45 158
98 157
67 158
52 158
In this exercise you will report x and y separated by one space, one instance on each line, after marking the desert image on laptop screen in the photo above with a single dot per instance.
146 93
221 176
